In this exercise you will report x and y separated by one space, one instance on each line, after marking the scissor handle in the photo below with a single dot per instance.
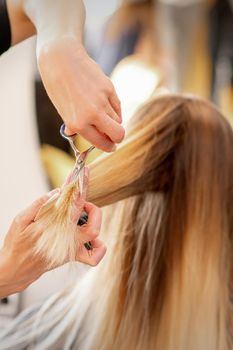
63 134
82 155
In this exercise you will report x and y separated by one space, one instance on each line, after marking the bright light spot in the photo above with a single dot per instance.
135 82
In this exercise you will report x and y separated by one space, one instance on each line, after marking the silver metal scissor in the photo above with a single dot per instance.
78 172
79 156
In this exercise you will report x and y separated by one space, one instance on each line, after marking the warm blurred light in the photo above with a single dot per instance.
135 82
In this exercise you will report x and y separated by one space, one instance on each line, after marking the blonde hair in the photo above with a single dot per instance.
172 261
166 282
59 241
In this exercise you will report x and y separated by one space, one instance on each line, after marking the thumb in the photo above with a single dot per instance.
69 132
27 216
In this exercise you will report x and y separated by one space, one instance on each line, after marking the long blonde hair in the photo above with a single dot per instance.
172 262
166 282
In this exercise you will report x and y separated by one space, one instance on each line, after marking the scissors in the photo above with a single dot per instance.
79 156
78 172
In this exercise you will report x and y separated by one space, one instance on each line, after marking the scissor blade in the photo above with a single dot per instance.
81 180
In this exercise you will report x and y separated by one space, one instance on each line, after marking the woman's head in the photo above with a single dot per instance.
171 139
166 282
172 256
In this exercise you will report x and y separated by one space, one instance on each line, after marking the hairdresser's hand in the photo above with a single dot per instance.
19 266
89 232
84 97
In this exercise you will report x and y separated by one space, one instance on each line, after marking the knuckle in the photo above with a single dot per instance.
115 117
94 233
115 100
70 124
97 114
103 102
118 106
94 112
18 219
78 127
120 135
109 88
78 124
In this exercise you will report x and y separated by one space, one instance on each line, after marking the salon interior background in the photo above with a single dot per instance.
149 47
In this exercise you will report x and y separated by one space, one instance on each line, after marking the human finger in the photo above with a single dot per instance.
111 128
27 216
91 229
98 139
116 104
69 132
111 112
94 256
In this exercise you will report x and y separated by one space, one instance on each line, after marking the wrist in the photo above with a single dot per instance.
16 273
58 44
57 51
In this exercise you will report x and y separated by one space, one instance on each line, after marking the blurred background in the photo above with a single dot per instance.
146 47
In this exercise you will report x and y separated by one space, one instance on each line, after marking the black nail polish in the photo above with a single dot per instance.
82 221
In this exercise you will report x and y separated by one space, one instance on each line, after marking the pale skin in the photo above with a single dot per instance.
83 96
19 266
86 101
